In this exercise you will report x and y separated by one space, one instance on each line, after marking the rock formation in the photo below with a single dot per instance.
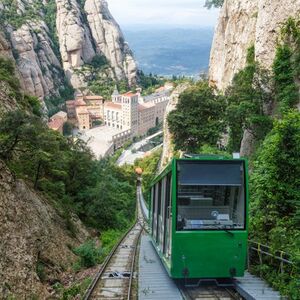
39 67
243 23
110 40
82 32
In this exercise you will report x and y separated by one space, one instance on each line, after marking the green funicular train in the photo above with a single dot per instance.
199 217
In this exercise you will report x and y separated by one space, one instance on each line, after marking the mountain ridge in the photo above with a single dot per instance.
51 40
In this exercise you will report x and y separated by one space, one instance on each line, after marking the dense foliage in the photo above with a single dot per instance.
89 254
66 172
198 119
56 103
275 196
149 165
149 83
213 3
286 66
7 76
247 98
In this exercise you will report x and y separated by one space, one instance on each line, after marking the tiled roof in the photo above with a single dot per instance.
154 96
113 105
129 94
145 106
80 102
92 97
60 114
55 124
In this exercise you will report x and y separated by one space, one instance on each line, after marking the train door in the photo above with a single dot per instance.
167 217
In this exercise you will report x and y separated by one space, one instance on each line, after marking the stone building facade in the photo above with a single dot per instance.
126 112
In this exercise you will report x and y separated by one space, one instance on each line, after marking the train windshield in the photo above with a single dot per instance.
210 195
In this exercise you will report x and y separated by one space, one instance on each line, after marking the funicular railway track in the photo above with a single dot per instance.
114 280
210 293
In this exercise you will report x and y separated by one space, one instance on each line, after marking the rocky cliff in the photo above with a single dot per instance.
51 39
243 23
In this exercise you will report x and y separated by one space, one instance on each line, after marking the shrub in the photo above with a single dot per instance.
99 61
89 254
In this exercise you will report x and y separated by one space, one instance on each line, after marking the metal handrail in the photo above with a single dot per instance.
282 253
280 256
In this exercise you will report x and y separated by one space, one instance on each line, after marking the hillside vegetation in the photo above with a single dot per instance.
261 103
64 173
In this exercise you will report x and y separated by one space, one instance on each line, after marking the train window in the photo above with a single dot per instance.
153 207
210 195
158 215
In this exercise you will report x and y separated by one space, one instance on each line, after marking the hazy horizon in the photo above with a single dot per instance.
163 13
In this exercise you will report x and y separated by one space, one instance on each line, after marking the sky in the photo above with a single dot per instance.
168 13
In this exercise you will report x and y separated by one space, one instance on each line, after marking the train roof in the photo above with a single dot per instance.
195 157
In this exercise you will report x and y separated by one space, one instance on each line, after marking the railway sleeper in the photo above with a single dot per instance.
127 247
117 275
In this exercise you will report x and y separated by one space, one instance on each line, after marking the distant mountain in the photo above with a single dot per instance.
170 51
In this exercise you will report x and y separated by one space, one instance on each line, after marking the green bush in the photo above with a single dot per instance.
109 238
99 61
213 3
40 270
286 65
251 90
68 128
75 290
89 254
275 198
7 74
149 165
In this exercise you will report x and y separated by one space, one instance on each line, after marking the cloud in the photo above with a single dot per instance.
162 12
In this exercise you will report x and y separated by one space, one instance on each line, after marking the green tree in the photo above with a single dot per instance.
149 165
286 66
99 61
276 184
213 3
17 129
68 128
247 97
198 118
275 198
7 74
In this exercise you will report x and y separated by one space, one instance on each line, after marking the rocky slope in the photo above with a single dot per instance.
241 24
50 39
35 247
35 243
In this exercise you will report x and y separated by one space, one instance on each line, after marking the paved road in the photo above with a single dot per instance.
128 157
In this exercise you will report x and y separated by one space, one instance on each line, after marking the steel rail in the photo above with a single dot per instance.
133 263
187 293
96 279
103 267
